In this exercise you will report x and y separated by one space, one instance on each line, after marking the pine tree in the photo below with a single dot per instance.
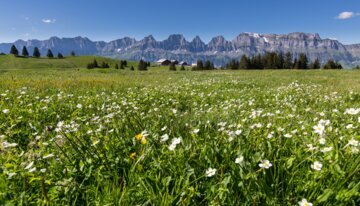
296 64
288 61
122 66
105 65
72 53
172 67
281 63
132 68
256 62
116 66
233 65
316 64
244 62
207 65
200 65
303 61
60 56
182 68
25 52
14 51
50 54
36 53
95 63
142 66
331 64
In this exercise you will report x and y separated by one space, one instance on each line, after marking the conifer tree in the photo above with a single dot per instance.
303 61
95 64
36 53
60 56
288 61
116 66
244 62
200 65
25 52
14 51
316 64
207 65
296 64
172 67
331 64
142 66
50 54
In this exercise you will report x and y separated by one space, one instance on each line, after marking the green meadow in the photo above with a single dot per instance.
74 136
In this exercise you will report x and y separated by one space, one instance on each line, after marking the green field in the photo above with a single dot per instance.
73 136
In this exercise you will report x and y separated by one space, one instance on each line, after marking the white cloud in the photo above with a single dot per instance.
347 15
49 21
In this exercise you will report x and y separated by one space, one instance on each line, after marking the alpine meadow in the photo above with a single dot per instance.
263 119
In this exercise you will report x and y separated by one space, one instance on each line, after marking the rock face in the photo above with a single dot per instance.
219 50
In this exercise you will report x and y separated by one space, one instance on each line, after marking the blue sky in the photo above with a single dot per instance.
112 19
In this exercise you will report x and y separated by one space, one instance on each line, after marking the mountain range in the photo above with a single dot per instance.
218 50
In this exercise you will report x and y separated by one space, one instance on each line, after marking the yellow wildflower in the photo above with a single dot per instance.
139 136
143 141
133 155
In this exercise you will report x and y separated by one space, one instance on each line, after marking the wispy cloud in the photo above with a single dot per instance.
347 15
49 21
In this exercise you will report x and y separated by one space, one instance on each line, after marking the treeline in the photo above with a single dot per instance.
273 60
36 53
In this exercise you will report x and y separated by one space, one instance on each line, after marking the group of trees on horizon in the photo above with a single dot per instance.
143 65
273 60
201 66
95 64
36 53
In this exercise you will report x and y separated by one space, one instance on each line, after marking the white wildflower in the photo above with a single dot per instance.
317 166
304 202
352 111
319 129
164 138
239 160
265 164
354 142
210 172
322 141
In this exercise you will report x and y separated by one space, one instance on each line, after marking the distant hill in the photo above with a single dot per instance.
218 50
11 62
